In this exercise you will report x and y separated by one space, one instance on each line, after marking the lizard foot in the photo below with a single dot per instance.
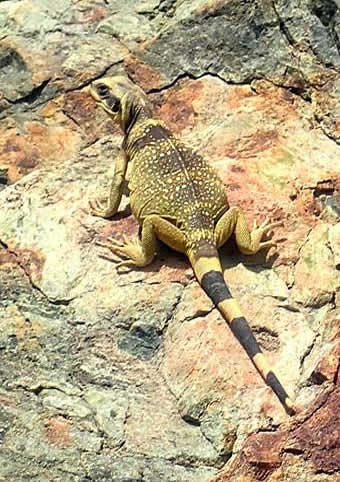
98 208
131 249
259 231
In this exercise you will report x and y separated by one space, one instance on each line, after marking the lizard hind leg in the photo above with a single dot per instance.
141 252
248 242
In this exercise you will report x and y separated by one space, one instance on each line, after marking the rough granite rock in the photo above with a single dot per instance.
134 377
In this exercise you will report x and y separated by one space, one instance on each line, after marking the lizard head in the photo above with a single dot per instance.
121 99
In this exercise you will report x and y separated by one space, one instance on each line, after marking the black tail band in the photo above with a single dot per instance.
214 285
241 330
278 389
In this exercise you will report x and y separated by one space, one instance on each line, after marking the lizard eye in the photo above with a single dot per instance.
103 90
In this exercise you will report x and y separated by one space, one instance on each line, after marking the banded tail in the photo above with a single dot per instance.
208 271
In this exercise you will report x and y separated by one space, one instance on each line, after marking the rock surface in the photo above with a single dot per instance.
134 377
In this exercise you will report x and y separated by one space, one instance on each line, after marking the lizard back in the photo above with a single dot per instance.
169 179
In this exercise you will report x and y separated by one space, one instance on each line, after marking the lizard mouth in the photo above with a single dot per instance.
104 98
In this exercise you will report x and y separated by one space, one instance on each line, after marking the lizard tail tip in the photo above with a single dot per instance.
290 406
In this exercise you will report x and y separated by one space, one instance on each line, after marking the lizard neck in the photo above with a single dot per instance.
136 137
134 112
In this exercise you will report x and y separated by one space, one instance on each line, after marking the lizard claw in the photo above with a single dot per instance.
129 263
266 226
130 249
263 229
97 208
109 257
101 209
257 234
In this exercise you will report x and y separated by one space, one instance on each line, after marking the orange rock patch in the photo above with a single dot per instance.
57 431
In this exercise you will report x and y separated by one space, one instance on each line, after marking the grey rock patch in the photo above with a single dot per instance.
110 411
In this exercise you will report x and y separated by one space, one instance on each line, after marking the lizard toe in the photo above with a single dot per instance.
126 265
96 207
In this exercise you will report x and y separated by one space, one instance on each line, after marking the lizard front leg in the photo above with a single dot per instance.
248 242
116 191
141 252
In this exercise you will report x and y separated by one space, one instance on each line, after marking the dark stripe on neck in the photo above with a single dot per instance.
131 121
278 389
241 330
160 132
149 135
214 285
137 144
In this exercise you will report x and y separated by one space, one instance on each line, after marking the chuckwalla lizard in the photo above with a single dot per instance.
177 197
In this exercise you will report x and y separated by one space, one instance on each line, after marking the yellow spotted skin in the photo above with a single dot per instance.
177 197
167 178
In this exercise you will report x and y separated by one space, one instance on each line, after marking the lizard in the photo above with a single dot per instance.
177 197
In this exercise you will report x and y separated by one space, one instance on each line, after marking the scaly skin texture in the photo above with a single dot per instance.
178 198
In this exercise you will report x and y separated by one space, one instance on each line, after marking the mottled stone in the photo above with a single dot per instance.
238 31
155 471
39 384
328 367
110 409
318 438
155 429
312 443
334 242
126 26
38 146
315 273
64 404
312 20
327 100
